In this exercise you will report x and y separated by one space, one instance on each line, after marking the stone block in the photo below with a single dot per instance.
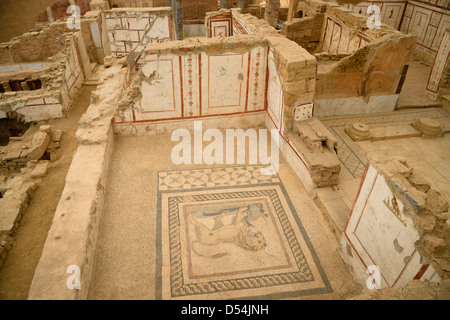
46 128
417 199
57 135
38 145
40 170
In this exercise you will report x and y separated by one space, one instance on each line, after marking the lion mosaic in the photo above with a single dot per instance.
240 232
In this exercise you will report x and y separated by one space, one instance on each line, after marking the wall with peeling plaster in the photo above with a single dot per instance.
385 227
132 30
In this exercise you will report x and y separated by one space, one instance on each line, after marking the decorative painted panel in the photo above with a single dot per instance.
303 112
199 85
225 79
132 31
440 63
219 26
340 39
379 233
257 79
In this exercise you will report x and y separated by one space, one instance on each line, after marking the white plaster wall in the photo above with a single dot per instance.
134 30
275 98
354 105
194 30
338 38
391 12
428 23
198 85
72 77
376 236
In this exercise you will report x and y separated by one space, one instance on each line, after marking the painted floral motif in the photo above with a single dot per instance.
303 112
393 206
256 84
190 85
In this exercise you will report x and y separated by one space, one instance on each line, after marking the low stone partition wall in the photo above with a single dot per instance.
368 81
307 32
71 241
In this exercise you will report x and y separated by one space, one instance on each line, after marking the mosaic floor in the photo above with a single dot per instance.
192 232
233 232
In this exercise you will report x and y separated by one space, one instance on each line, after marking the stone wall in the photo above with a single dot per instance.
362 80
61 78
72 238
33 46
137 3
367 81
307 31
196 10
21 168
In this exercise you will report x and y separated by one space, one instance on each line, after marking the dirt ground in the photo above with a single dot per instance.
17 272
19 16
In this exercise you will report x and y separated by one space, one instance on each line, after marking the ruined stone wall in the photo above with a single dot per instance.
367 81
249 24
72 238
61 78
398 223
132 30
137 3
372 60
305 31
33 46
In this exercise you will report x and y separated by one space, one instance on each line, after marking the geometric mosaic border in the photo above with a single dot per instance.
237 176
178 288
213 177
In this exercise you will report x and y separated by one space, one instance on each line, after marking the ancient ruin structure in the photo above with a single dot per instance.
93 103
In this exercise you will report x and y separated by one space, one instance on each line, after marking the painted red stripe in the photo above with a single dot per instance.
421 272
181 87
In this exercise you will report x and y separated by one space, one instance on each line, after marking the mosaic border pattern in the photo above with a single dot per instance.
241 176
178 288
